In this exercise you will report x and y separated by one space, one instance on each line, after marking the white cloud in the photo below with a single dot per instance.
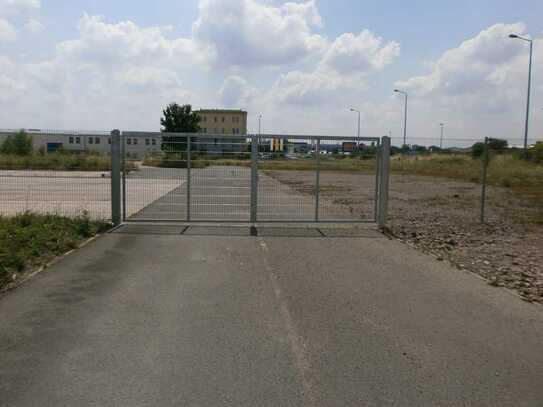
345 65
7 31
245 32
479 87
351 53
18 6
33 26
116 71
236 92
10 12
479 63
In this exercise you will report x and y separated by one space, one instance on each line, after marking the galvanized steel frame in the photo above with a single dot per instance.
382 175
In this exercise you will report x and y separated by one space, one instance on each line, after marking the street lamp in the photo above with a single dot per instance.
402 92
518 37
357 111
259 123
441 139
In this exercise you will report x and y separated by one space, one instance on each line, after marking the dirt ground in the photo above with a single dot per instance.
441 217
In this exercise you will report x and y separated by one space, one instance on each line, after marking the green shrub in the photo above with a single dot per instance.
19 144
535 153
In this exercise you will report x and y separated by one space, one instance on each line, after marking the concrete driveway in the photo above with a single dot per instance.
288 318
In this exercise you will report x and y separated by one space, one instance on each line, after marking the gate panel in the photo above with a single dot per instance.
287 175
154 176
230 178
348 183
220 178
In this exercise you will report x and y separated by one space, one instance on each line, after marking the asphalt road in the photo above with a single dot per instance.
161 319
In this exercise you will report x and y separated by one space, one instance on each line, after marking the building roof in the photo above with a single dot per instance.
221 111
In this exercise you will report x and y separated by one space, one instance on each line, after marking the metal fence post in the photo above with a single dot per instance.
318 179
123 166
116 177
483 180
188 177
377 175
384 179
254 179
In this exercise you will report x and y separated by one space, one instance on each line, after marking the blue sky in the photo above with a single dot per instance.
302 64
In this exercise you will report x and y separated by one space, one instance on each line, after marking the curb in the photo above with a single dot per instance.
19 282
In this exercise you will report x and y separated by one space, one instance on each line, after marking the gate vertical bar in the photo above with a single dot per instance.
318 178
384 180
123 164
116 177
254 178
483 180
377 175
188 177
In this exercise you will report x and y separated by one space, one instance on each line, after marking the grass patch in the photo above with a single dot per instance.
30 240
173 160
326 164
58 162
503 170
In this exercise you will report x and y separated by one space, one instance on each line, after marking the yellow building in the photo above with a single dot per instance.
222 121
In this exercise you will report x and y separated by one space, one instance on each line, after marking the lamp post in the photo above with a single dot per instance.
402 92
441 139
259 123
531 42
358 133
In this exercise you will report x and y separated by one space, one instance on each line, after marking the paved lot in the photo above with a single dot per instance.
70 193
150 317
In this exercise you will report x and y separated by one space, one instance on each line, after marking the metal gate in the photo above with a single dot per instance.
249 178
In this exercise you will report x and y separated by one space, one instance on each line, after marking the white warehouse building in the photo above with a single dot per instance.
136 146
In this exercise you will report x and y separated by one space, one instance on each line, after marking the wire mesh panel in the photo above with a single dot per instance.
155 176
348 179
220 178
313 178
55 172
287 179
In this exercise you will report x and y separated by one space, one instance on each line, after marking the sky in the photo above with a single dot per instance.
302 65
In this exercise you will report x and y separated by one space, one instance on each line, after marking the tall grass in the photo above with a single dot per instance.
58 161
30 240
503 170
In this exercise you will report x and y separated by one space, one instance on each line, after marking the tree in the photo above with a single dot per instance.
178 119
17 144
494 144
477 149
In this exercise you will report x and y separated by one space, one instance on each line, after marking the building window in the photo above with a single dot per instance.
71 140
135 141
204 119
215 119
233 131
128 141
147 142
223 119
91 140
97 140
109 140
78 140
154 142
